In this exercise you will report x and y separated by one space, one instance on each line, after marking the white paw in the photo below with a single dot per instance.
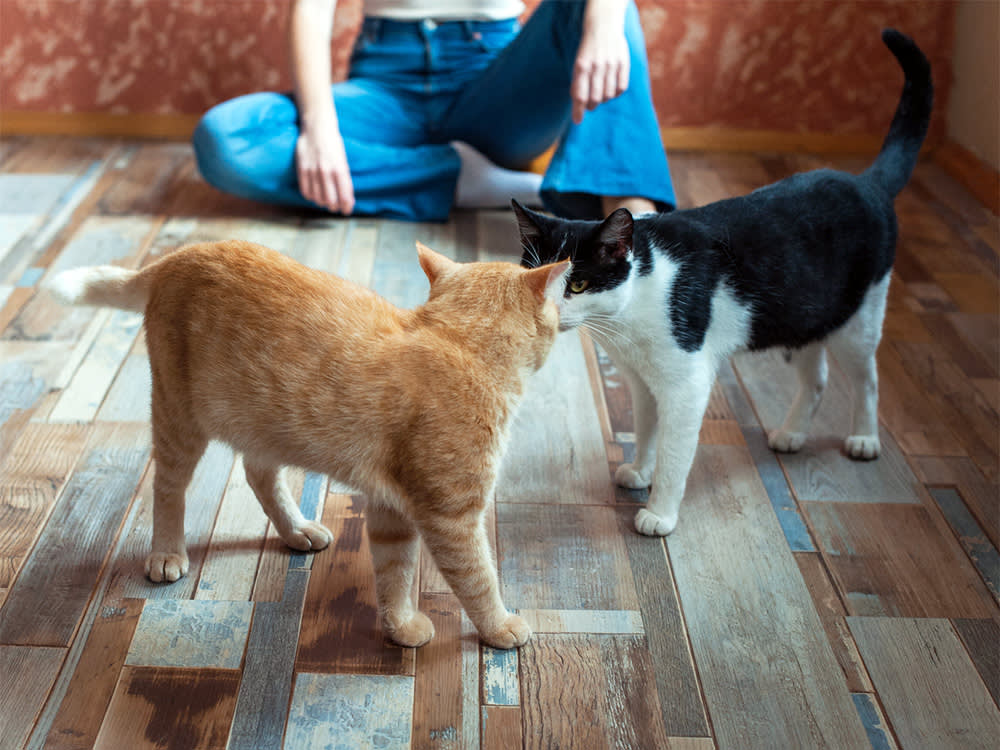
863 447
310 536
628 476
651 524
166 566
783 441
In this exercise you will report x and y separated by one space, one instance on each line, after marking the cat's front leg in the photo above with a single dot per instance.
462 552
297 531
681 409
638 475
395 549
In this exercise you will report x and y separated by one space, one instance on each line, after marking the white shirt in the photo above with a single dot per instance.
444 10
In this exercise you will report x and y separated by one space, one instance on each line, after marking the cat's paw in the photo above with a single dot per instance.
650 524
310 536
628 476
166 566
512 633
863 447
415 632
784 441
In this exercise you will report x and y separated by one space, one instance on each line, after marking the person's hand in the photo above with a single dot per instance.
602 66
324 177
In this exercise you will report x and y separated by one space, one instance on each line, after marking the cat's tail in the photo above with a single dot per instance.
101 286
895 162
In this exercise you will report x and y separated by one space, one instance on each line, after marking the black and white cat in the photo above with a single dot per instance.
802 264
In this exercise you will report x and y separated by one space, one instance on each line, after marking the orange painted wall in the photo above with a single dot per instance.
787 65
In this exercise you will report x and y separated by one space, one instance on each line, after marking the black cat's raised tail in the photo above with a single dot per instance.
899 152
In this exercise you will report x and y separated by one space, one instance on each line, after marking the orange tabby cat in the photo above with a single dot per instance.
292 366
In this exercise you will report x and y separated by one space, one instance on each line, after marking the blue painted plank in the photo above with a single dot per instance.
30 277
500 682
977 545
188 633
878 733
350 711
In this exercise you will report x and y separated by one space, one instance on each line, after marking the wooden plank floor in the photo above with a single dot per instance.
803 602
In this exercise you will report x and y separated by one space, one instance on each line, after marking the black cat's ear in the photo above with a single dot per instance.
616 233
527 221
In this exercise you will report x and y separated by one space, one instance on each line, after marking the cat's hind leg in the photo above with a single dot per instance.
177 448
854 347
395 548
295 530
462 551
682 402
810 364
638 474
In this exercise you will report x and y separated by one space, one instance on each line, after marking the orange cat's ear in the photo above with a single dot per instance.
539 279
434 264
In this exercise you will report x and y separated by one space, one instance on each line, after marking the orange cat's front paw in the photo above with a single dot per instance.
512 633
166 566
416 631
311 536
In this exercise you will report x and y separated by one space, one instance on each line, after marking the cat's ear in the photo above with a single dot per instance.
616 233
527 223
541 278
434 264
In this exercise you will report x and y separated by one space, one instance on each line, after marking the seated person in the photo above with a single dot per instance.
447 102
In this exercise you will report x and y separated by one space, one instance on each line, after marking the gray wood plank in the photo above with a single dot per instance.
34 669
557 425
266 686
769 675
982 641
56 582
930 689
821 471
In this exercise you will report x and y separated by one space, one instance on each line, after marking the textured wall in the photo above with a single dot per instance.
805 66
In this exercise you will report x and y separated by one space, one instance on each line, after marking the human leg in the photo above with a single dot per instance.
246 146
520 105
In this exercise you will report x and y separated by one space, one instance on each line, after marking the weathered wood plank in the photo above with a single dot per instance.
729 555
970 535
875 723
130 396
613 622
93 682
557 424
592 691
446 686
501 728
85 393
563 557
237 542
351 710
196 634
957 401
266 685
982 496
33 472
21 699
833 615
500 683
340 629
666 632
981 638
49 597
930 689
157 707
820 471
359 253
893 560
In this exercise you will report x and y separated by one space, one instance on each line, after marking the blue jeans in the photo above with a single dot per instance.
416 86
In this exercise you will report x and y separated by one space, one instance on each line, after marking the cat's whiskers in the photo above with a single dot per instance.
529 249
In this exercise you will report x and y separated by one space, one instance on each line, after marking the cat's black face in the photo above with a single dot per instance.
601 253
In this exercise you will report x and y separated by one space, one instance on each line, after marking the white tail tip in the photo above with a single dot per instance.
96 285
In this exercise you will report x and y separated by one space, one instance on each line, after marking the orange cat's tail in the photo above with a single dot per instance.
101 286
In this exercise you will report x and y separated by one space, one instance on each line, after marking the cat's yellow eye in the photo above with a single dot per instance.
578 286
